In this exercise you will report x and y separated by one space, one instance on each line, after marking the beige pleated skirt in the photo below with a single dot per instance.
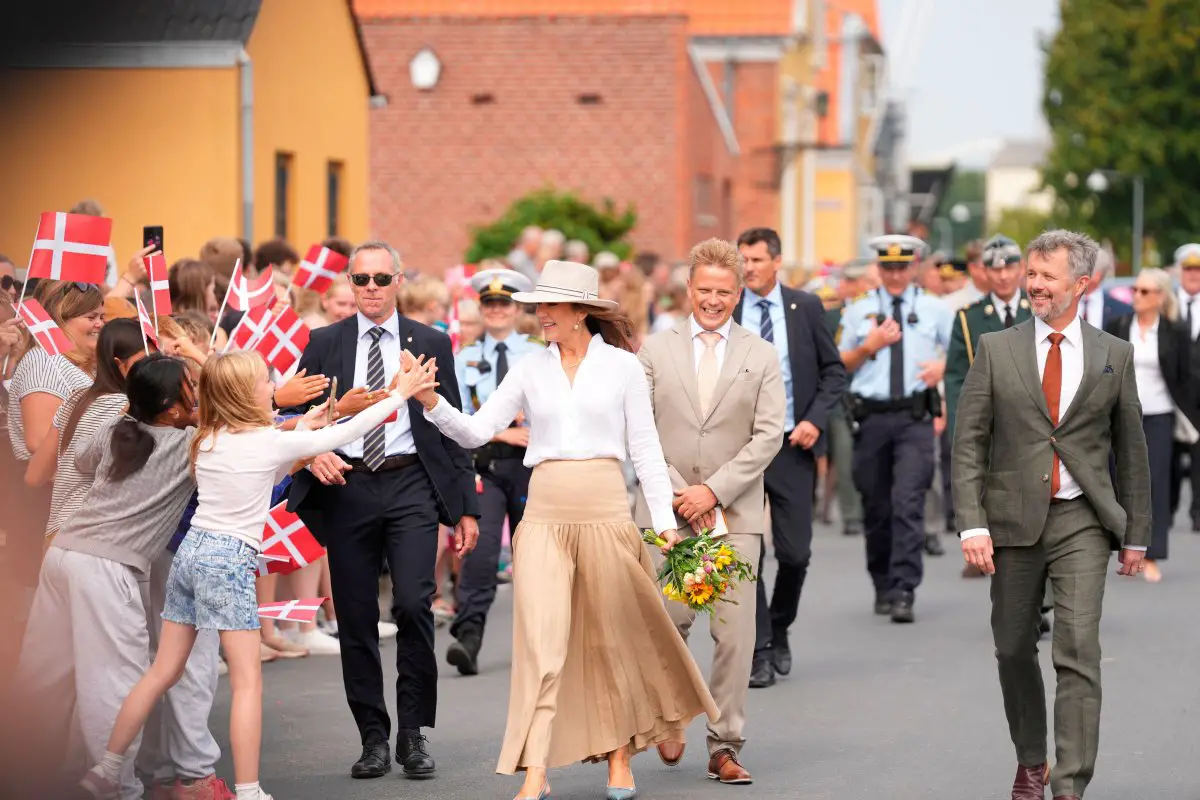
597 662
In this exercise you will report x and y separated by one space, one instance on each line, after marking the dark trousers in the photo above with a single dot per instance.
505 487
945 442
893 470
376 517
1160 445
789 482
1179 470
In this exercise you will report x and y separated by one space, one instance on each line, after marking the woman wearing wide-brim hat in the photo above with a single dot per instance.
599 671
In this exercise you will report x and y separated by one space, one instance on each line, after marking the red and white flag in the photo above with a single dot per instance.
156 273
284 341
287 543
319 268
44 329
294 610
71 247
247 293
454 327
149 326
251 327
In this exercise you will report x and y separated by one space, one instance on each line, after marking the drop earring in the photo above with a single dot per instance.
576 326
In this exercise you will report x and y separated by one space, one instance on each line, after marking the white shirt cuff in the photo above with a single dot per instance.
972 532
1133 547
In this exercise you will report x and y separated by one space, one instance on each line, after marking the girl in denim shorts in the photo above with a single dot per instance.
237 457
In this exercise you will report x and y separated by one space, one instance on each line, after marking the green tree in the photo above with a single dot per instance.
1121 81
602 228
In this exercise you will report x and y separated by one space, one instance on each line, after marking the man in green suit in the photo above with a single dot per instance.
1044 404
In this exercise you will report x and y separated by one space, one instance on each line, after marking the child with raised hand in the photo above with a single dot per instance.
237 457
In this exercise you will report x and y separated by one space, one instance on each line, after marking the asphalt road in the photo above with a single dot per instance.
871 709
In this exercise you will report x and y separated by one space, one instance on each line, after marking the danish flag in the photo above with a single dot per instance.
294 610
71 247
156 273
44 329
285 339
149 327
252 326
287 543
319 268
247 293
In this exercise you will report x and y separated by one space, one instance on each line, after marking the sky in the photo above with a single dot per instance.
977 78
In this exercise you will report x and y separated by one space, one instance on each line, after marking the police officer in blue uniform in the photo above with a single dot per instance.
502 477
891 341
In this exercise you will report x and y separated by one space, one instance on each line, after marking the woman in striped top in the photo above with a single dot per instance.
119 347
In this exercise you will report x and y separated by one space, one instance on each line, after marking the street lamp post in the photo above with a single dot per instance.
1098 183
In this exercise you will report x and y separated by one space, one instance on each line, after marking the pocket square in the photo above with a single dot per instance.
1108 369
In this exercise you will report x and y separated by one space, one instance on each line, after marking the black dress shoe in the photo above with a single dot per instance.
412 755
883 604
762 674
1044 625
902 607
933 545
852 529
375 762
781 653
464 653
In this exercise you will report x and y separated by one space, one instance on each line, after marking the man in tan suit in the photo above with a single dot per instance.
719 407
1044 404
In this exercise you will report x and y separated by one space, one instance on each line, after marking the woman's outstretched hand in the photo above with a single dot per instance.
416 378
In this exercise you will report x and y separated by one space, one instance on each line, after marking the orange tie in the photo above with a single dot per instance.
1052 388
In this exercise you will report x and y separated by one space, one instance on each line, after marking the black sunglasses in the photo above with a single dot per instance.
381 279
83 287
8 282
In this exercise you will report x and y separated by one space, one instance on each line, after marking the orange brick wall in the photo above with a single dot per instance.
441 162
756 118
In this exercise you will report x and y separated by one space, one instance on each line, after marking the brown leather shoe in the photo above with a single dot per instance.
1030 783
671 753
723 766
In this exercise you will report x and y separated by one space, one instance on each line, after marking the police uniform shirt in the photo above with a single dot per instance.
752 321
475 382
927 324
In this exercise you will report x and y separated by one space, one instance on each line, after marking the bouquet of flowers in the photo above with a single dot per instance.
700 571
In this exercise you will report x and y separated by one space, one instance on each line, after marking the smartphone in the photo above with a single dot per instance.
153 235
333 398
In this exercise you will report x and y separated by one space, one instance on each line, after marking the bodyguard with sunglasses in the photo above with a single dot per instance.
382 497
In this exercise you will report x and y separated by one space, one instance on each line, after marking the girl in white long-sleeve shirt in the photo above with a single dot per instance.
237 457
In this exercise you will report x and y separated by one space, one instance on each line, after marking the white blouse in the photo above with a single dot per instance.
1152 388
608 405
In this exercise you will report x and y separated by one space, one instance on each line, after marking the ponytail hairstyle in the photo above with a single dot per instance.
155 384
119 340
227 386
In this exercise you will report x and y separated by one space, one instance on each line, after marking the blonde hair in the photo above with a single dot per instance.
415 296
1166 290
227 386
716 253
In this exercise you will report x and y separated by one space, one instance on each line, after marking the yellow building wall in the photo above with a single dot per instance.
153 147
836 215
311 99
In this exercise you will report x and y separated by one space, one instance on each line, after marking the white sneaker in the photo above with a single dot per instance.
329 626
319 643
388 630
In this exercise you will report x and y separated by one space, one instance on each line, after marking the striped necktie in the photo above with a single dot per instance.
373 443
765 329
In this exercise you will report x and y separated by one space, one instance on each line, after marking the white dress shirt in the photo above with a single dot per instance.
1192 300
1152 387
1013 305
398 439
608 405
698 343
1093 308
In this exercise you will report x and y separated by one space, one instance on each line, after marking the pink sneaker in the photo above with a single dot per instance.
207 788
98 786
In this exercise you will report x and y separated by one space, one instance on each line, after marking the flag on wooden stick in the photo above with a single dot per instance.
71 247
319 268
294 610
43 328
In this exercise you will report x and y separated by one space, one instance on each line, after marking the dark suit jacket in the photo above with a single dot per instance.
331 352
1113 309
818 374
1174 358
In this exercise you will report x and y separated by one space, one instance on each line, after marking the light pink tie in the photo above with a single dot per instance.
706 374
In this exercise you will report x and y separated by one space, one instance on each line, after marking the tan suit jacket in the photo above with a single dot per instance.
729 448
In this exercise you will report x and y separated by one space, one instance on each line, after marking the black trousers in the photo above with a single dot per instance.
893 470
789 480
946 444
1160 445
1180 470
505 487
385 516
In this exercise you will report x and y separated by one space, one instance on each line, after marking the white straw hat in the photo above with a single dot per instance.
566 282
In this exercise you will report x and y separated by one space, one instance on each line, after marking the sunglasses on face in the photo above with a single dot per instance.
8 282
381 279
1142 290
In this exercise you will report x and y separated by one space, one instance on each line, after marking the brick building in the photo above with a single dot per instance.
642 101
